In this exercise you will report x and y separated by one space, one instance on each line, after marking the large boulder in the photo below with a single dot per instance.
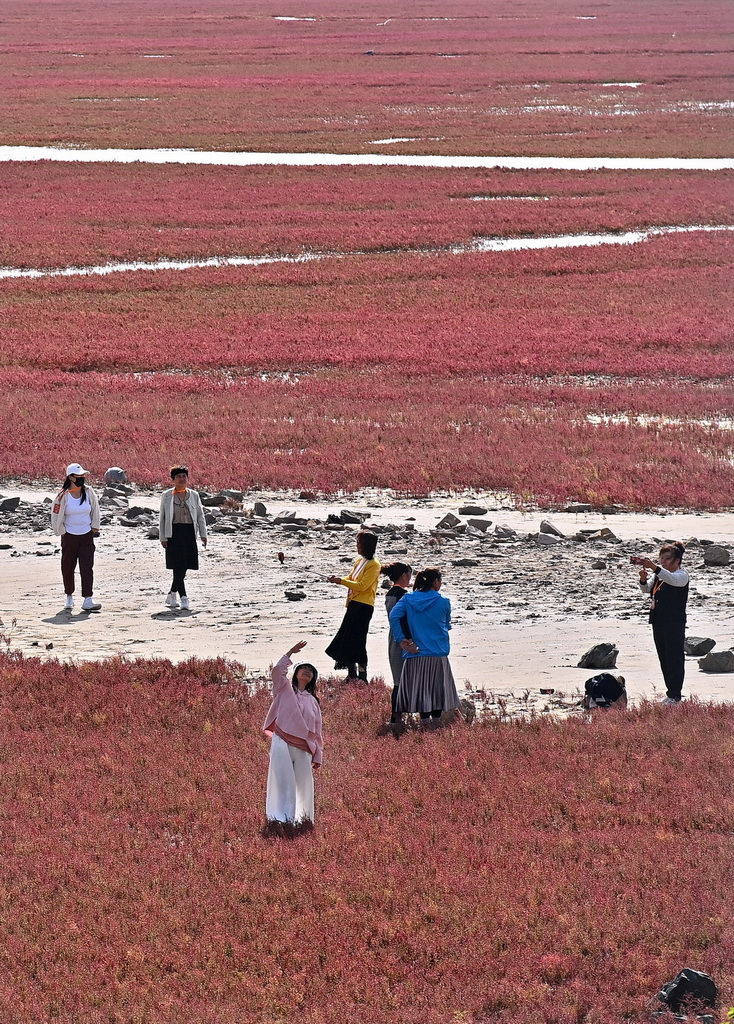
600 656
115 475
716 554
549 528
719 661
697 646
472 510
9 504
547 539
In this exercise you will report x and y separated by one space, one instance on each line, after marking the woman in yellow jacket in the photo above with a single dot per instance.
349 646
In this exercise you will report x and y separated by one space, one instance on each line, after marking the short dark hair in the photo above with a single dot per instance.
175 470
674 548
367 543
395 570
426 578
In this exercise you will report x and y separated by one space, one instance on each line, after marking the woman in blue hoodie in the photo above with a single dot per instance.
427 682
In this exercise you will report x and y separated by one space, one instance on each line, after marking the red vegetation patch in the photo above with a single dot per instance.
89 214
455 76
553 872
347 430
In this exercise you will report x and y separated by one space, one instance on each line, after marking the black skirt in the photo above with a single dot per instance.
349 646
181 550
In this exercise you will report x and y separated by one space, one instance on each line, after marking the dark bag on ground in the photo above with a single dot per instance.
689 986
605 690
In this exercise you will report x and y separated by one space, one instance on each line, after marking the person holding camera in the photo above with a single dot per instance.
668 590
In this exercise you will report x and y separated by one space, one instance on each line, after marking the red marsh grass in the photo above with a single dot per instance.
549 871
455 77
342 430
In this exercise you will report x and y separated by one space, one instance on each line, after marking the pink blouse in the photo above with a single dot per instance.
294 713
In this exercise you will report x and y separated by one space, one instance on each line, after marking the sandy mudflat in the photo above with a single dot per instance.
523 615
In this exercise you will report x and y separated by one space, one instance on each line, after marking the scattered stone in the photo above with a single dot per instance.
232 495
719 661
295 595
604 534
307 496
714 554
479 524
6 547
127 521
221 527
598 564
697 646
465 561
153 533
600 656
294 527
259 509
547 539
285 517
449 522
472 510
9 504
504 532
549 528
138 510
213 500
353 518
49 647
577 506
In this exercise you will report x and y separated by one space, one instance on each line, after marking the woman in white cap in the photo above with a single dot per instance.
75 518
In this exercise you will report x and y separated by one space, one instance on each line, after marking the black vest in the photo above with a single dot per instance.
670 605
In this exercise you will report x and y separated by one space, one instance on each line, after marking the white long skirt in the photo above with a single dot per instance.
290 783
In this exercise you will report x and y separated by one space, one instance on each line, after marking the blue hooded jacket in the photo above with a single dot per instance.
429 622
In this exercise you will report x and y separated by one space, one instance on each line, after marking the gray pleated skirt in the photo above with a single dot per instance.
426 684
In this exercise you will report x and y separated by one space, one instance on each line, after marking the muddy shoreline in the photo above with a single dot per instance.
524 610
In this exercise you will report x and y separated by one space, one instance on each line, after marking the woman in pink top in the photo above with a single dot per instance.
297 746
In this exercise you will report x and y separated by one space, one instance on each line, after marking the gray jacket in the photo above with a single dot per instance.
165 520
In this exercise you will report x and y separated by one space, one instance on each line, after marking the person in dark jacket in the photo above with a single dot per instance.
668 590
399 574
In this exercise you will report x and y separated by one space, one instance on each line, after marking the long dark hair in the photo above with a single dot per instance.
67 485
426 578
311 688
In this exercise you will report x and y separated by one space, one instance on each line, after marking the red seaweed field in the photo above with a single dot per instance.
561 872
462 316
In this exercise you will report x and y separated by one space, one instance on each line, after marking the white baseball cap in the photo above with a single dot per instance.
75 469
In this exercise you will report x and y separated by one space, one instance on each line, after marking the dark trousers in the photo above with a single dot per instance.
77 548
669 645
178 586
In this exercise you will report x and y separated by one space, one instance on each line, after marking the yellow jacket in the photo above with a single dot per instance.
362 584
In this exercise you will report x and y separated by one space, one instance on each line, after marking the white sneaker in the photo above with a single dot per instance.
185 604
669 702
90 605
172 600
69 603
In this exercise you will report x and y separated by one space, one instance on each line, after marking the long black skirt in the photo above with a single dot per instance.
349 646
181 550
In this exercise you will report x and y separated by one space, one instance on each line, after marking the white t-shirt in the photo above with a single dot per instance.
77 516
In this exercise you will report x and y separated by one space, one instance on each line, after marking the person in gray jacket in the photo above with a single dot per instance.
75 518
181 518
